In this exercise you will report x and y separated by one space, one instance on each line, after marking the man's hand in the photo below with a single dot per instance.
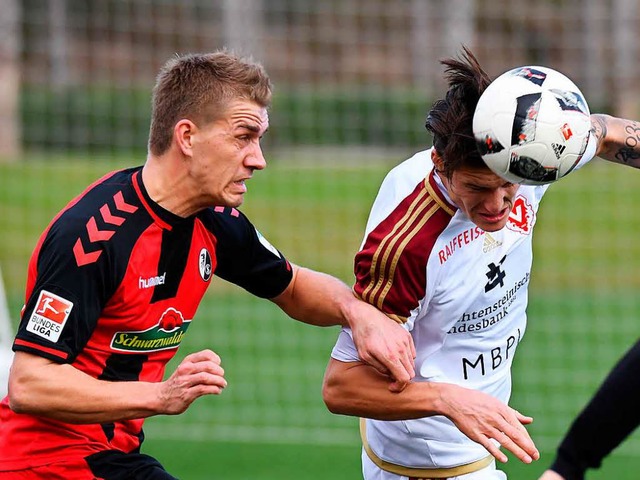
551 475
198 374
385 345
486 420
320 299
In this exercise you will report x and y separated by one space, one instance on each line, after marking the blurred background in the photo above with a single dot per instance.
354 80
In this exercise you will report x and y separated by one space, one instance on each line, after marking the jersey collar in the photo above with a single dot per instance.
164 218
440 191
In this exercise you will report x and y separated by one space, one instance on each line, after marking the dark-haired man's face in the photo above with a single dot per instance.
483 196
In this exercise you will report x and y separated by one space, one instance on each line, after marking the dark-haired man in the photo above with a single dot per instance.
447 252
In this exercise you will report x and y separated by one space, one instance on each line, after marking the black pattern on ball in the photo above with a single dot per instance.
527 167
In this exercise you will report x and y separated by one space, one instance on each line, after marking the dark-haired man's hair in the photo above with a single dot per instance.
450 119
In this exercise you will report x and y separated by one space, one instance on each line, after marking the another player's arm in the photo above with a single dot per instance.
39 386
618 139
320 299
606 421
353 388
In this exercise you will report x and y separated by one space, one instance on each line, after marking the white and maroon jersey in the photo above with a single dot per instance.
460 291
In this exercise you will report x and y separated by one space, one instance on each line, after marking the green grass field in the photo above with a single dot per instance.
270 422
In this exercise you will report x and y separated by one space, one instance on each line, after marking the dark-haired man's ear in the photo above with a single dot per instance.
438 163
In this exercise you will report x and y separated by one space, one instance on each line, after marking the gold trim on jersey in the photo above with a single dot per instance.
397 318
437 197
421 473
401 234
403 244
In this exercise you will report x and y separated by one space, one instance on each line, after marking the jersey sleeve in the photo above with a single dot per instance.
64 299
404 223
345 349
244 257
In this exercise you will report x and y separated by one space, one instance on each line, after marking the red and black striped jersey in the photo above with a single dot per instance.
113 286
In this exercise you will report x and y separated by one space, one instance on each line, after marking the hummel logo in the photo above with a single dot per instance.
151 281
558 149
489 243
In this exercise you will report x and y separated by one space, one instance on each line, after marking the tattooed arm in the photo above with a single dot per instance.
618 139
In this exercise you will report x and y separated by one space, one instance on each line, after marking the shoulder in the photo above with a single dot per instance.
407 174
227 221
230 227
109 199
533 193
409 188
402 179
89 222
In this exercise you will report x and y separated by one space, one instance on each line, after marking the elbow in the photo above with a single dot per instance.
17 406
18 400
19 395
343 389
332 396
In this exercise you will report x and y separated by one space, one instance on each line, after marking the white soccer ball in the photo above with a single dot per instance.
532 125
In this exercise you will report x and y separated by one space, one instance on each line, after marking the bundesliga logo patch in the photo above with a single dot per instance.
49 316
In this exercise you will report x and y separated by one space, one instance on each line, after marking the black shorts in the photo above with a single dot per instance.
116 465
107 465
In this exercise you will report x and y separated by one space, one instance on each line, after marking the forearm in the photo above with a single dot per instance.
319 299
62 392
356 389
322 300
618 139
359 390
609 417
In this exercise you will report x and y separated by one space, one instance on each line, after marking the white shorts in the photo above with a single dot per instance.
371 471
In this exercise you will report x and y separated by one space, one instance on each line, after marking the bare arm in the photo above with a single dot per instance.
618 139
356 389
551 475
605 422
322 300
41 387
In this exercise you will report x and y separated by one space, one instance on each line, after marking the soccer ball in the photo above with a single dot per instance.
532 125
